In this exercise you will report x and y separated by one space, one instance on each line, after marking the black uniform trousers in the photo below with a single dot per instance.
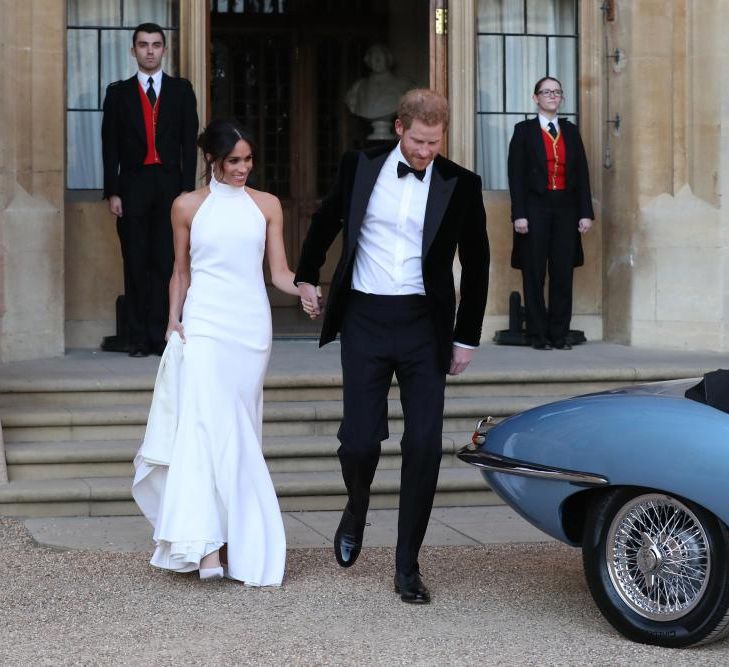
382 335
550 245
145 234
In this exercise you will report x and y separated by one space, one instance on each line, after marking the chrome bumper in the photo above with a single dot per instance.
496 463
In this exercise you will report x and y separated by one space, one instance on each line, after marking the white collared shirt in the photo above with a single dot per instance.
390 245
156 81
544 121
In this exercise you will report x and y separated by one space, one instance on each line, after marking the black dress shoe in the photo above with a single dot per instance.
562 345
348 539
137 350
541 344
411 588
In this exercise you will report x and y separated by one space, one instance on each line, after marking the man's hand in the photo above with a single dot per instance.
521 225
310 299
115 206
584 225
460 358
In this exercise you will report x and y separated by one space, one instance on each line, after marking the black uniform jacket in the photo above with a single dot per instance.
123 137
528 173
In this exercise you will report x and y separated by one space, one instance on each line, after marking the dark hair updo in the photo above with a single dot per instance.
219 138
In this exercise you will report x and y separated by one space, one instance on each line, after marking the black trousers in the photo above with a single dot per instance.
382 335
550 245
145 234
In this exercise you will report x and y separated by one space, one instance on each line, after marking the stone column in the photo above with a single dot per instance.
32 42
666 245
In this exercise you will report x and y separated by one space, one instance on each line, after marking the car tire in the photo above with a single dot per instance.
657 567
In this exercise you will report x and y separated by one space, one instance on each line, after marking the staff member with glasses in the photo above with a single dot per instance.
551 206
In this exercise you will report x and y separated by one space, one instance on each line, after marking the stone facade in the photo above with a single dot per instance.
32 46
656 272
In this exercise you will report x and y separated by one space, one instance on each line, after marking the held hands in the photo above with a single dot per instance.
460 358
175 326
584 225
521 225
115 206
311 299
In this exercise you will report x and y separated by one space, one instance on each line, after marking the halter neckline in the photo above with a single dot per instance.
225 190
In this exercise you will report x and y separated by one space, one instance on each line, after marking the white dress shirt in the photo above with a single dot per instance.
156 81
544 121
390 243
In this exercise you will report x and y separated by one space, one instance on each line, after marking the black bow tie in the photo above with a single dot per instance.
403 169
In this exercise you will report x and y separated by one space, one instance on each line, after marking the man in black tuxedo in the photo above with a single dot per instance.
149 136
403 210
551 206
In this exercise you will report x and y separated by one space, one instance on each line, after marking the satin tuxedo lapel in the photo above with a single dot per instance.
134 105
368 169
439 196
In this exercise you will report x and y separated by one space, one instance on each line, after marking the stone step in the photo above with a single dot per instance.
289 418
113 458
111 496
81 387
100 394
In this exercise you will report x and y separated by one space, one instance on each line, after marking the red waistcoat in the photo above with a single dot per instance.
150 126
556 156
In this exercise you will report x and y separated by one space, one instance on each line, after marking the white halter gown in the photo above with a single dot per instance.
212 487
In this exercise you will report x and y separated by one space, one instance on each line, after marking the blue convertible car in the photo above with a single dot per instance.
638 478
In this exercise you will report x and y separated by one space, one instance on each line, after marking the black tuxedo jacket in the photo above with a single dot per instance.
123 138
454 219
528 173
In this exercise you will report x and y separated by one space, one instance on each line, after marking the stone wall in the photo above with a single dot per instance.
32 43
666 272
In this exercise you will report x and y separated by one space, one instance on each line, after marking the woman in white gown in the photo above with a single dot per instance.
200 477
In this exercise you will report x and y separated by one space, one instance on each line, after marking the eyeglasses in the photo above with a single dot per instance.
550 93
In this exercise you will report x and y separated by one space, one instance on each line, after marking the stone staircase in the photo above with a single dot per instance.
69 442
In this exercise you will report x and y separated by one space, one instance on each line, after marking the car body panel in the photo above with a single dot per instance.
646 436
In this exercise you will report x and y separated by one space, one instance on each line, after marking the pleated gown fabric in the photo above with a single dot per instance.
216 487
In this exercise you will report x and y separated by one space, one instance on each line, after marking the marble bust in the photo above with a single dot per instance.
375 97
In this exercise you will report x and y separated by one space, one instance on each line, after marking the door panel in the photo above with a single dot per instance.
283 69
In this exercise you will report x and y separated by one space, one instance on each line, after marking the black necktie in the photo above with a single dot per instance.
552 130
151 95
403 169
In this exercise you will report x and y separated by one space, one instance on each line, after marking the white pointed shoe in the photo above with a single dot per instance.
211 573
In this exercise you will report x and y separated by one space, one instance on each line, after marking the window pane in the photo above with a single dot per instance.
554 17
490 74
526 63
83 150
116 59
163 12
93 12
563 65
493 133
500 16
82 72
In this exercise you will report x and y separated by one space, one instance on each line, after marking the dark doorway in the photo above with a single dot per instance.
283 67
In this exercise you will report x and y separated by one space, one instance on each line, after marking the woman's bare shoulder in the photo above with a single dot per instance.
187 203
267 202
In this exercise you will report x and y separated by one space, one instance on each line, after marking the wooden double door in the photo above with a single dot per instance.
283 68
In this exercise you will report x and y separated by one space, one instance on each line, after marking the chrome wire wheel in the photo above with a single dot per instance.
658 557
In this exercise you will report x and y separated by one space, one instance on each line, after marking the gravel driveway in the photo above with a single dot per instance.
496 604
